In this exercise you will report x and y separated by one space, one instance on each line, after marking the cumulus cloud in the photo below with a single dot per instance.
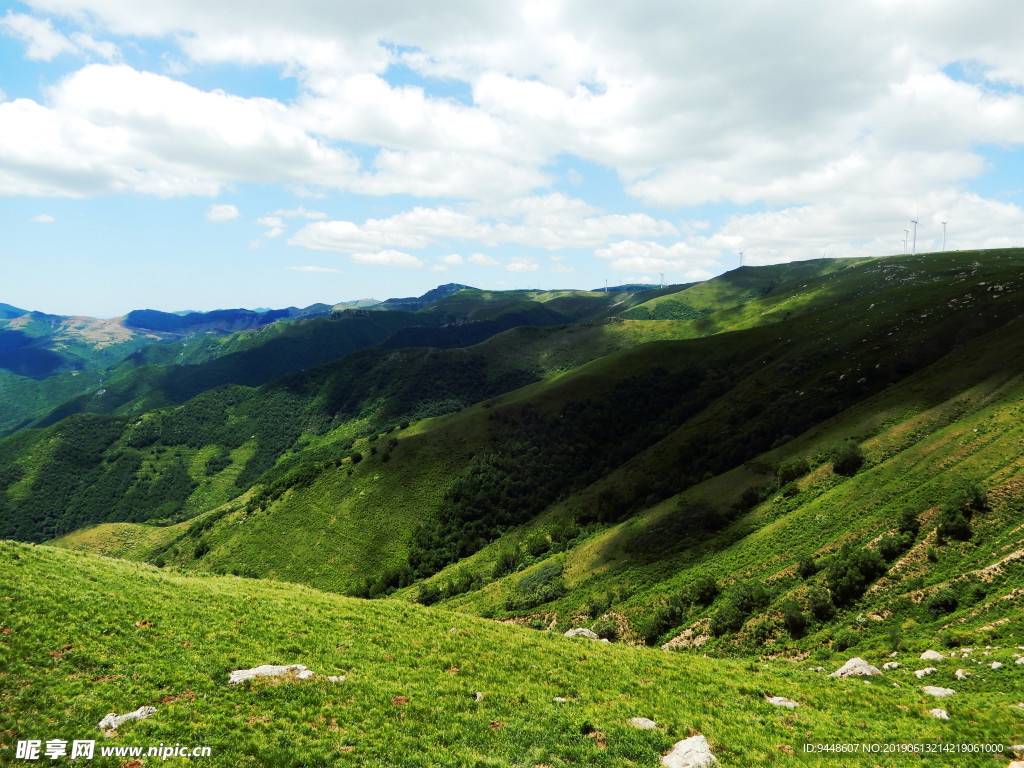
44 43
221 213
452 259
811 112
483 260
522 265
388 258
43 218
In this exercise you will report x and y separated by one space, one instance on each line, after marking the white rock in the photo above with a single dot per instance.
939 713
894 654
1020 660
336 678
643 723
1017 750
932 656
582 632
560 699
962 674
269 670
113 721
919 673
966 650
693 752
939 693
782 701
996 665
856 666
891 665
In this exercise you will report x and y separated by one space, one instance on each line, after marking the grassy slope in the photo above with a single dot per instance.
359 522
82 636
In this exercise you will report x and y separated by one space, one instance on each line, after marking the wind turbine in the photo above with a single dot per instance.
914 222
943 236
741 256
906 237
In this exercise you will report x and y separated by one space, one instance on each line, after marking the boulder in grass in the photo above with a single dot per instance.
962 674
269 670
939 713
856 666
919 673
112 721
932 656
643 723
782 701
891 665
936 691
694 752
996 665
582 632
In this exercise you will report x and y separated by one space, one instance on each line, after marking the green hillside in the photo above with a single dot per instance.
642 473
82 636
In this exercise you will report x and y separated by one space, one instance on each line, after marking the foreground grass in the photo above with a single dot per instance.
81 636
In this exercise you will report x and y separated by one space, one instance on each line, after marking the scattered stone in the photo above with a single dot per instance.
269 670
335 678
1020 660
560 699
694 752
112 721
894 654
961 674
966 650
891 665
856 666
1016 764
643 723
479 696
1017 750
996 665
582 632
937 692
782 701
932 656
939 713
919 673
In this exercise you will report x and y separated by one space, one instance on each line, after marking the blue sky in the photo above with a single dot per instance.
199 155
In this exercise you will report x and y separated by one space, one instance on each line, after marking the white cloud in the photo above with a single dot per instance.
43 218
483 259
452 259
299 213
221 213
642 256
388 258
45 43
522 265
315 269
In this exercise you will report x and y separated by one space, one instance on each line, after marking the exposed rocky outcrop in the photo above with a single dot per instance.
113 721
694 752
582 632
270 670
856 666
936 691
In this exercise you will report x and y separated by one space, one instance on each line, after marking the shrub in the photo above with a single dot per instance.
845 638
793 618
728 618
953 524
606 629
763 631
201 549
908 522
806 567
892 546
942 603
847 457
819 603
507 562
792 470
428 594
851 571
704 590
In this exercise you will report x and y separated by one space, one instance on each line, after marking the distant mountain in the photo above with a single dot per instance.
223 320
8 311
412 304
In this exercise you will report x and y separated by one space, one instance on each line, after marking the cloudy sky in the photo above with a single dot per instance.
194 154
